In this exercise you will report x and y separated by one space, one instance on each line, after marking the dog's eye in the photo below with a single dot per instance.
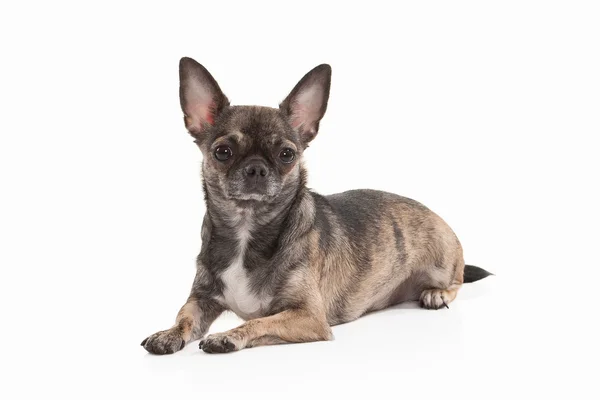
223 153
286 155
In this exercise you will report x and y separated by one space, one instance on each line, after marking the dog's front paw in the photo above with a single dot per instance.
164 342
221 343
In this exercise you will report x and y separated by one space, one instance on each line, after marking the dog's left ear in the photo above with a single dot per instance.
307 102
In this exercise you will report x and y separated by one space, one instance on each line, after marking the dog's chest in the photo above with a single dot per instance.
237 292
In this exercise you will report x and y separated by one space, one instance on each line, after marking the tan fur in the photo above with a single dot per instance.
388 283
186 318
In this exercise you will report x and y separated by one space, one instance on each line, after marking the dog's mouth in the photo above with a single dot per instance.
250 196
251 200
255 193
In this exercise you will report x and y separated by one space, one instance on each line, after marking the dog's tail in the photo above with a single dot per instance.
473 273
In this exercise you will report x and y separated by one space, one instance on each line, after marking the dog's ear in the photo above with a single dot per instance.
201 97
307 102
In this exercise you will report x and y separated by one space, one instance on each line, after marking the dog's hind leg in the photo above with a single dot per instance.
439 295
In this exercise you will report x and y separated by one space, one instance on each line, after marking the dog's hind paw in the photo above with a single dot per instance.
434 299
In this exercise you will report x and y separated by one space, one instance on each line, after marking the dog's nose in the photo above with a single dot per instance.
256 169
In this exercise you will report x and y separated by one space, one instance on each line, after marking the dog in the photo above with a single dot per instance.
290 262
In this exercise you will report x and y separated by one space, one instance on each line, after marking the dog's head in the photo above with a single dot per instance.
251 153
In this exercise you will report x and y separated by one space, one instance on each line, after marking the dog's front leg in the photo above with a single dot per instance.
289 326
193 321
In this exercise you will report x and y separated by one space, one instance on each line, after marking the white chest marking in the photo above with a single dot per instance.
237 293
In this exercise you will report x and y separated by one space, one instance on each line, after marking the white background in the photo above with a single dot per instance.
488 113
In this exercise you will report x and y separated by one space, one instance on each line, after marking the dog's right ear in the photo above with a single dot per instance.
201 97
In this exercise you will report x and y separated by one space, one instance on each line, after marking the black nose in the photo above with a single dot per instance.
256 169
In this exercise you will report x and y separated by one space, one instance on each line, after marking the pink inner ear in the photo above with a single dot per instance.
200 105
208 112
301 116
296 122
203 113
210 118
306 108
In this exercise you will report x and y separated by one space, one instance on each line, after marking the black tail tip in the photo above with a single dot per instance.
473 273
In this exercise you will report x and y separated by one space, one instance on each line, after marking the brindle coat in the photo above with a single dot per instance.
289 261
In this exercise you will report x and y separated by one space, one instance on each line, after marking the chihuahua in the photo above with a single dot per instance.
290 262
